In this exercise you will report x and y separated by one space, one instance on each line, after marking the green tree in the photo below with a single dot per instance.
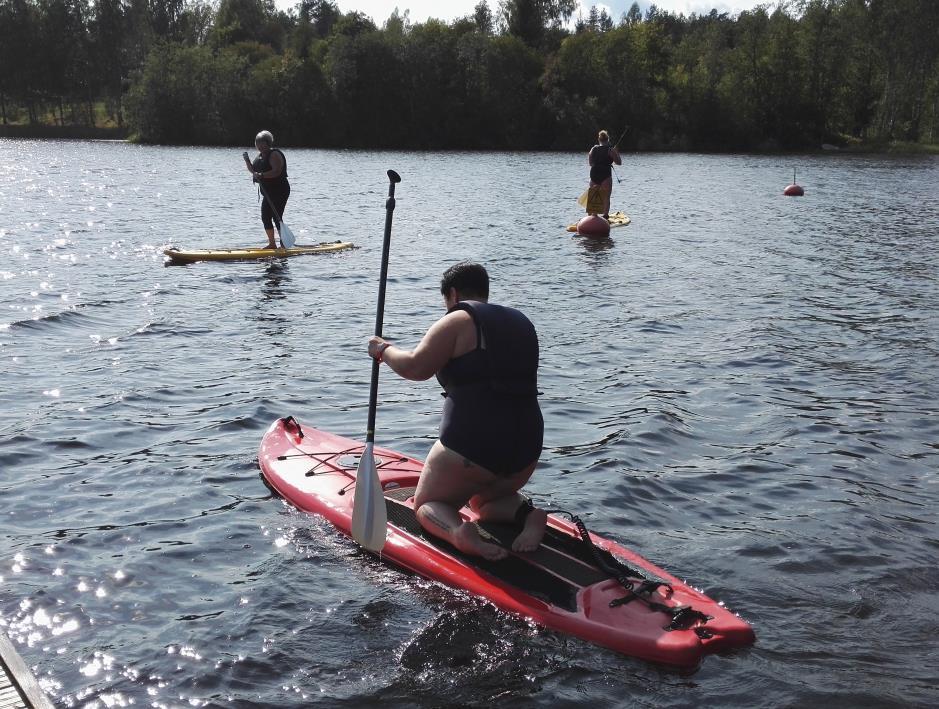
906 33
19 39
482 16
364 72
247 21
633 16
529 19
109 37
184 93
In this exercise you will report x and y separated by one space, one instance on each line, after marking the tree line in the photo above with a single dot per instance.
795 74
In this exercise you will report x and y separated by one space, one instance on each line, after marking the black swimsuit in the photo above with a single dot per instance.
277 188
602 168
491 414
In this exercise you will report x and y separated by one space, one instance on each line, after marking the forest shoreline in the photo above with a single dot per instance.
43 131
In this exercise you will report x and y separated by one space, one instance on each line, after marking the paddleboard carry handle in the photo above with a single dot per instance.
291 421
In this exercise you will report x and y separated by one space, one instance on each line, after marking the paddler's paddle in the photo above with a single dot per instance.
287 239
369 516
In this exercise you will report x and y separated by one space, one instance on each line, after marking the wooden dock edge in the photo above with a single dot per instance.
17 675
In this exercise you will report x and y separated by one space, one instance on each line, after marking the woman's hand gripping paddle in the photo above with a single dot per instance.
369 516
287 239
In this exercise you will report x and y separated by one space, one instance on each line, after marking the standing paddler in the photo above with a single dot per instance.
269 169
602 158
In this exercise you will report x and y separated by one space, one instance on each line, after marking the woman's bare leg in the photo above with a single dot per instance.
447 483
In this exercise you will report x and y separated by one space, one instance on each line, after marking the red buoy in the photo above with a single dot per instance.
593 225
794 190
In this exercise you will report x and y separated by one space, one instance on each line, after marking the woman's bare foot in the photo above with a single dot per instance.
533 531
466 538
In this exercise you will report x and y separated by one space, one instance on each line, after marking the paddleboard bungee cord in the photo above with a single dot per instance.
682 617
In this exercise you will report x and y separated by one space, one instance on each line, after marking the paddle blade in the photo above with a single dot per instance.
286 236
369 516
582 200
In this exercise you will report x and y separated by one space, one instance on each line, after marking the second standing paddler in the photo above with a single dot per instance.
602 158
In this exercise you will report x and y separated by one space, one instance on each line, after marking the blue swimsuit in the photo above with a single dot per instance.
491 414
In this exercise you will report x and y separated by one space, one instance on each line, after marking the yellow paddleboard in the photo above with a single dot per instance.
616 219
251 254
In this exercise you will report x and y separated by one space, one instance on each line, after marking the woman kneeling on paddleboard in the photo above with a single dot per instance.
485 357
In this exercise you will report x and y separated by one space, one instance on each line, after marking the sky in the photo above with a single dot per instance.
448 10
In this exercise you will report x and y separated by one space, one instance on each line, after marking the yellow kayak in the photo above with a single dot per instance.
616 219
251 254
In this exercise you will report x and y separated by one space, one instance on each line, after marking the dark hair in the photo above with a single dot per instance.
469 279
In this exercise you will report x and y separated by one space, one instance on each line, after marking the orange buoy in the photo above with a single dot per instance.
794 190
593 225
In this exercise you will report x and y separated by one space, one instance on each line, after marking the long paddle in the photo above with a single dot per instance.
287 239
369 516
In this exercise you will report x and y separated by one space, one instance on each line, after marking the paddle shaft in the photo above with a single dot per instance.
622 135
616 146
393 179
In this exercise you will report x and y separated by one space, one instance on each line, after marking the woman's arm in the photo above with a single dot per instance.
277 166
430 356
614 155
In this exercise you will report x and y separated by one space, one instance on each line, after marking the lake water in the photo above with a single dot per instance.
741 386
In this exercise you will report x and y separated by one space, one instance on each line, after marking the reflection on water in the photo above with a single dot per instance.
276 276
596 244
739 385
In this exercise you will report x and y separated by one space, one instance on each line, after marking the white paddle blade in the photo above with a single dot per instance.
582 200
369 516
286 236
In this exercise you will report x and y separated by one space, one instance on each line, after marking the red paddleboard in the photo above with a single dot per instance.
598 591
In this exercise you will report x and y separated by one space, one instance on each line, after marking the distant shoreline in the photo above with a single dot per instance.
77 132
62 132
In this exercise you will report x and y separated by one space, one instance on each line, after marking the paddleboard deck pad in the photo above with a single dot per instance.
617 219
251 254
565 585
